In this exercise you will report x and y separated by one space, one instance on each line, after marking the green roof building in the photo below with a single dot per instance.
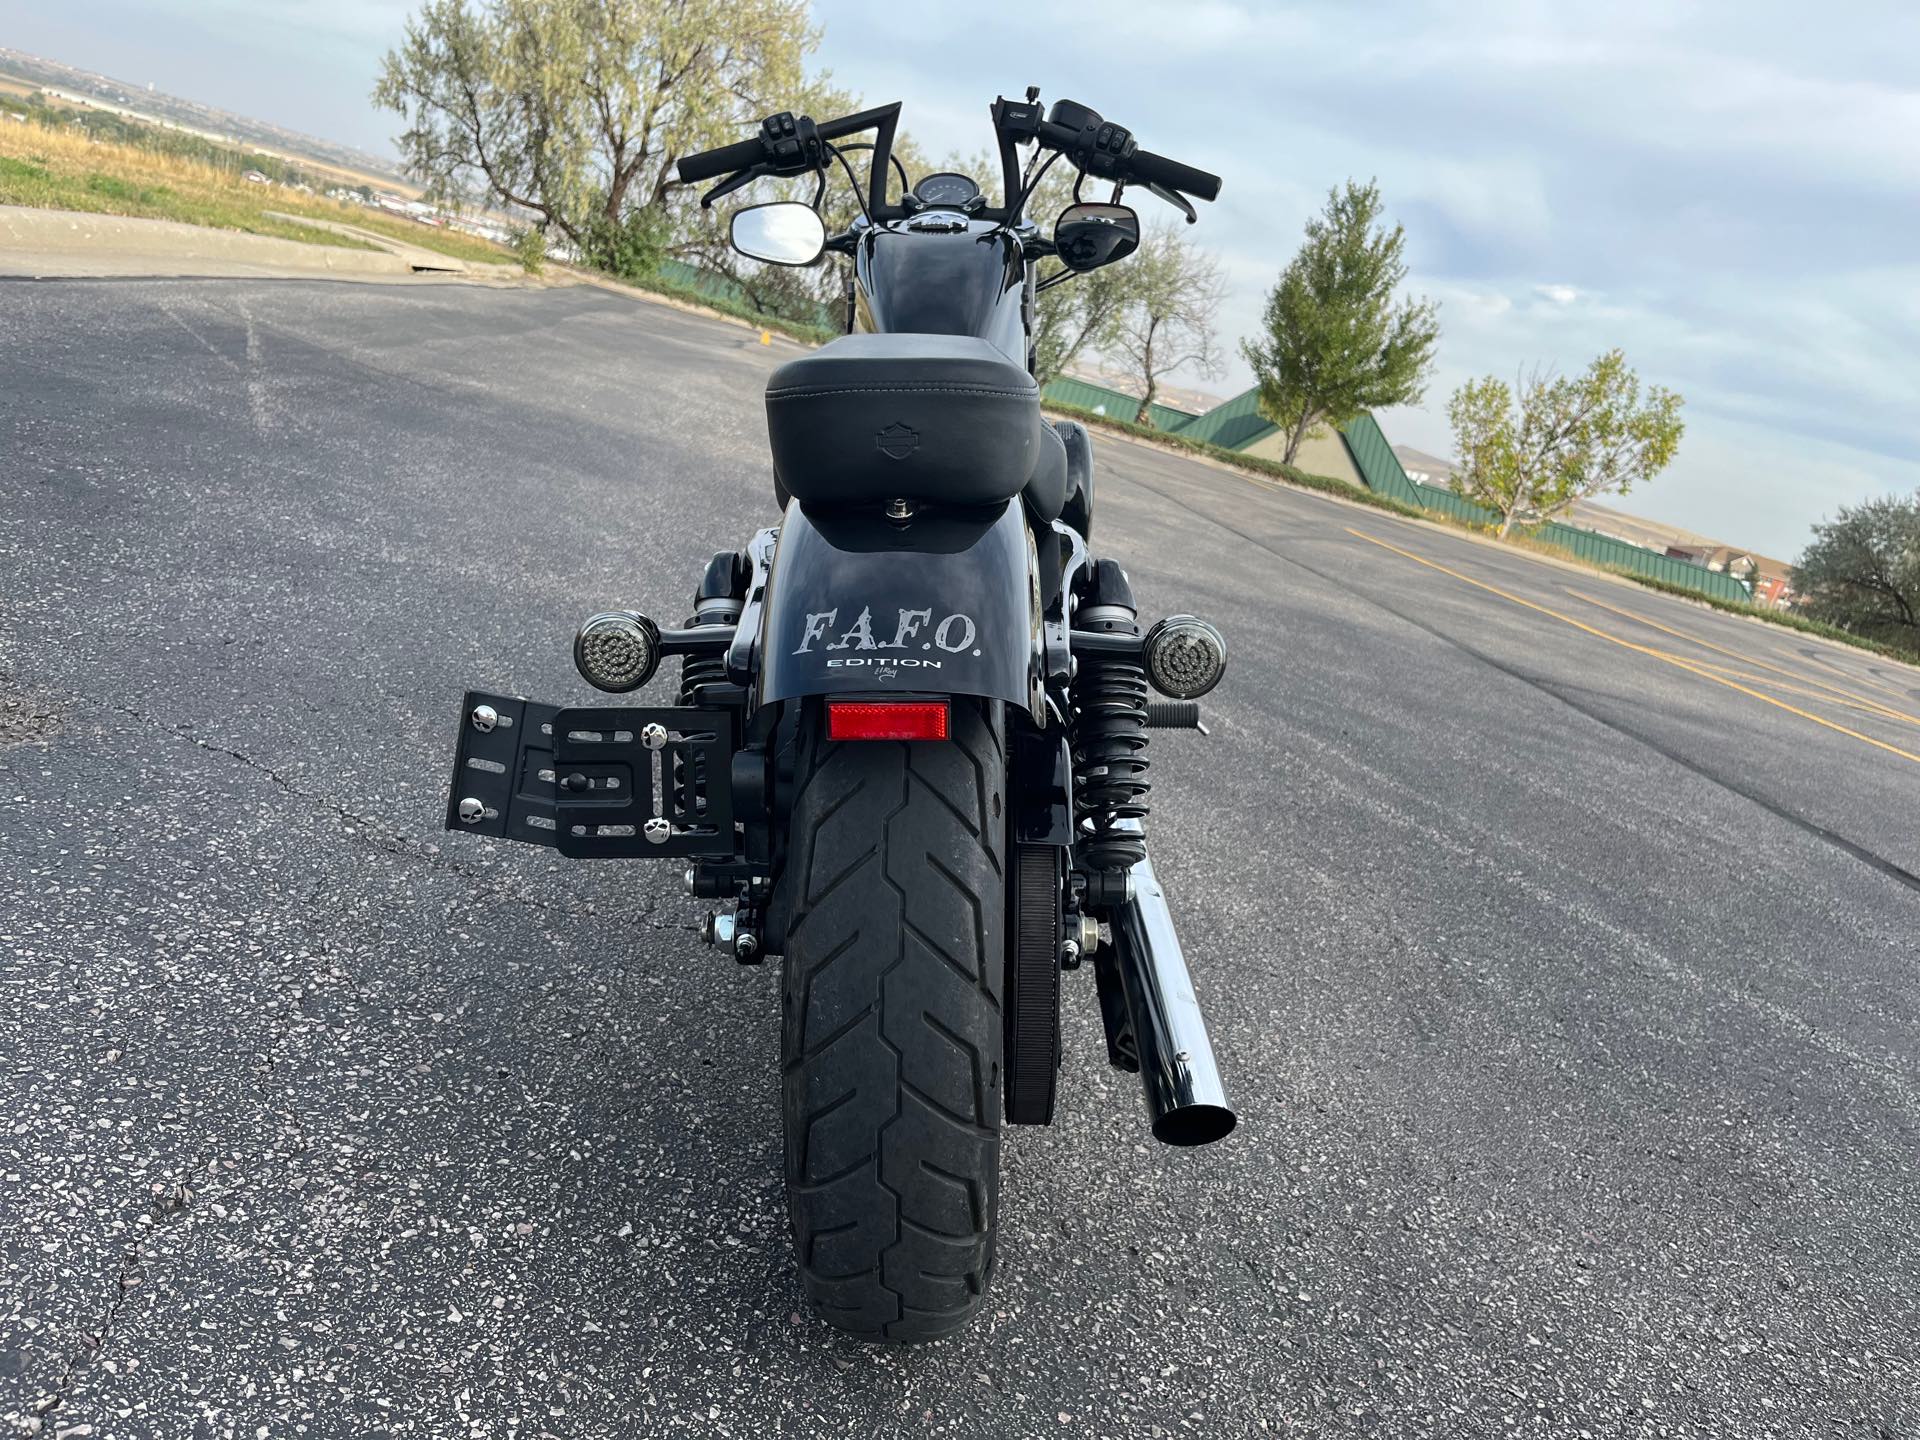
1114 404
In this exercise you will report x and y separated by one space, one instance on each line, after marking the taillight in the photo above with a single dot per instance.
886 719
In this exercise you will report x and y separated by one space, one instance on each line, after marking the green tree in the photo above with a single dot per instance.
1166 322
1561 439
530 248
1862 571
1333 343
576 110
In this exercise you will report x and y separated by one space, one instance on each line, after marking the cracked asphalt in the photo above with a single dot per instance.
1559 941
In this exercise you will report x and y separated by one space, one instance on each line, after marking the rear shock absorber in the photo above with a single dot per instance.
1109 729
718 601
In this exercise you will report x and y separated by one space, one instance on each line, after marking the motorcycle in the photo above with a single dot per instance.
909 749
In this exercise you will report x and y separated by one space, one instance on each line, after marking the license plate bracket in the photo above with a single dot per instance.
595 782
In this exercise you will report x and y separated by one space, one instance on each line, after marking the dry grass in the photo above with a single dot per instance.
62 168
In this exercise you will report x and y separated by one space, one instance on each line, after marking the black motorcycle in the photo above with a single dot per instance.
910 738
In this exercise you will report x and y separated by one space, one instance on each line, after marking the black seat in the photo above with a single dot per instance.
867 419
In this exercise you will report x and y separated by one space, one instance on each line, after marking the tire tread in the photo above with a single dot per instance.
893 1096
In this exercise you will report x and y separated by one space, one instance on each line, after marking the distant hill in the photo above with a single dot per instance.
72 86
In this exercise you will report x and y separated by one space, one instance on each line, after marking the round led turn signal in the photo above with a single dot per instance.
617 651
1185 656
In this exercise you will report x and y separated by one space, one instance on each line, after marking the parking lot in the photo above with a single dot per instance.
1558 940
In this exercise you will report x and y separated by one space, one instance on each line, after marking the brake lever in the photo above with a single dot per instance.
1177 200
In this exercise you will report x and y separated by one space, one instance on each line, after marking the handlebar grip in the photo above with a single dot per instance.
708 163
1150 169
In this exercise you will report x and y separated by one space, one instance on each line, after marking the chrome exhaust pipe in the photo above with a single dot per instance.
1153 1018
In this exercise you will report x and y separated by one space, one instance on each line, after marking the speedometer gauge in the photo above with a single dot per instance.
946 189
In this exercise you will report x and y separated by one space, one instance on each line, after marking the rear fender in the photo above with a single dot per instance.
945 603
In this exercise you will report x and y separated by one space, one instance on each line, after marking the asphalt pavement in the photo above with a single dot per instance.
1558 940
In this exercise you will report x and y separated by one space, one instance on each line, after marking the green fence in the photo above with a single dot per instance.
1381 469
1458 507
1605 550
722 288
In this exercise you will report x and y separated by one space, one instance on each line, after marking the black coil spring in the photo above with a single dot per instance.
690 776
698 670
1110 759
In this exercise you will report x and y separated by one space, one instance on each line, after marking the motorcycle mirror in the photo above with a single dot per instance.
784 232
1085 237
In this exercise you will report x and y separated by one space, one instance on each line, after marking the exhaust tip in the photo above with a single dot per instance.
1194 1125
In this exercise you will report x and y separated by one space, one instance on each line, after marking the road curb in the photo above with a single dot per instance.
82 245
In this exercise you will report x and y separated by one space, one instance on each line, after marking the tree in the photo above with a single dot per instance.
1173 293
1334 345
1565 439
813 294
576 110
1862 571
1077 316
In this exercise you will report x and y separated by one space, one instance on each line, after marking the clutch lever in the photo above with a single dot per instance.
1177 200
732 183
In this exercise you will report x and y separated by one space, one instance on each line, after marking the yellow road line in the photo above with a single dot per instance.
1865 707
1661 655
1746 659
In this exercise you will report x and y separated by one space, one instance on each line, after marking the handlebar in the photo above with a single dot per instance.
711 164
795 145
1102 148
790 144
1150 169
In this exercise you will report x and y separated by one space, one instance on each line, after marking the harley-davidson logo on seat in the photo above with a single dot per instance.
897 441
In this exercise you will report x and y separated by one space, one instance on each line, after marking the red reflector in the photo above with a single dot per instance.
886 720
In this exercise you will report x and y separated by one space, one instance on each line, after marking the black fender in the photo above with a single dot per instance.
946 603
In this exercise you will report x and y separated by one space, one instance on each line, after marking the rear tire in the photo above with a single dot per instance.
891 1024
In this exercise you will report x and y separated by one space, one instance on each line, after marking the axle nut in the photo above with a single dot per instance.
1089 936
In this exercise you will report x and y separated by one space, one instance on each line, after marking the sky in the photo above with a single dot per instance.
1728 192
